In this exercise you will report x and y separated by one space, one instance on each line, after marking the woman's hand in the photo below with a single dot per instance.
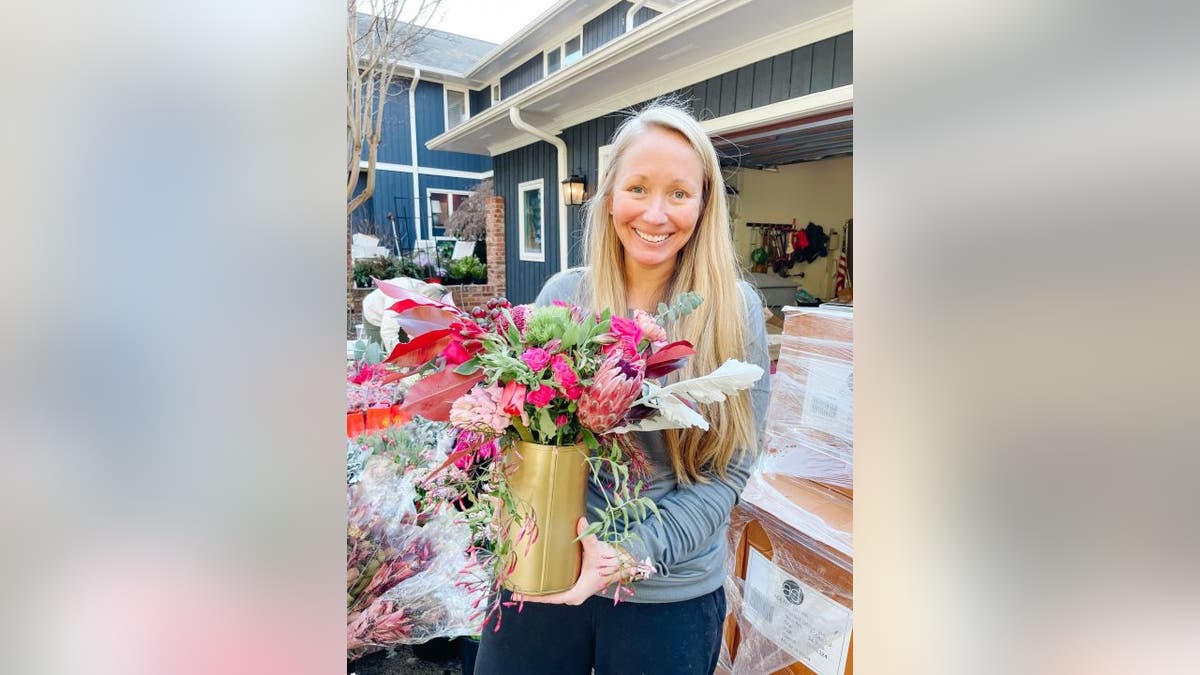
601 567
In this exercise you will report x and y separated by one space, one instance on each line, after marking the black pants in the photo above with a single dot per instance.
671 638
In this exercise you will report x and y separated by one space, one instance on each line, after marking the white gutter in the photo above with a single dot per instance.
514 115
629 15
416 165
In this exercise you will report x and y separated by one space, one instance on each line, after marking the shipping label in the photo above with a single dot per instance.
829 398
810 627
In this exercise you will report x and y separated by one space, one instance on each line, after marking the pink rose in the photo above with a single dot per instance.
560 421
512 400
626 330
536 358
573 392
541 396
564 375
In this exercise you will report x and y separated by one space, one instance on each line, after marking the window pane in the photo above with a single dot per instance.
456 108
457 201
553 60
438 203
533 222
495 93
572 50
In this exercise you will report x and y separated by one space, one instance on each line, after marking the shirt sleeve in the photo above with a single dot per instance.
691 514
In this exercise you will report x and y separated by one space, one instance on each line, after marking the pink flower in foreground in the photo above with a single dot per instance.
479 410
477 446
512 400
541 396
616 386
536 358
650 328
560 421
520 315
455 353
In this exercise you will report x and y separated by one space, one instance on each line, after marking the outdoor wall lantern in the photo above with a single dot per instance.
572 188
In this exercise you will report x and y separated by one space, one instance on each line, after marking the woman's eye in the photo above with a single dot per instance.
679 194
638 189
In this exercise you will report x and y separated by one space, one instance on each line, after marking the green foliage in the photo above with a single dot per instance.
546 323
384 267
467 270
684 304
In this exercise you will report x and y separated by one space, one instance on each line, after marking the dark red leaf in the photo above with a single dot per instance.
421 349
432 396
668 359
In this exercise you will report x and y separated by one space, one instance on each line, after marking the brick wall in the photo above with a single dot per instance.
469 296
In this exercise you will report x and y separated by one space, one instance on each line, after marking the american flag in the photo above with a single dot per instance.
842 281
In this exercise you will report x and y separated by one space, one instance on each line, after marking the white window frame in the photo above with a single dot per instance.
538 184
446 89
566 65
561 50
429 191
496 93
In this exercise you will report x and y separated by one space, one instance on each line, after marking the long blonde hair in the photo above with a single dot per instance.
705 265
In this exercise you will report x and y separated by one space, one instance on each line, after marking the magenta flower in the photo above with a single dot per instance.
616 386
455 353
536 358
520 315
478 447
563 372
541 396
560 421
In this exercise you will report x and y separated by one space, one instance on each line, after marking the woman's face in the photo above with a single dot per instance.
656 199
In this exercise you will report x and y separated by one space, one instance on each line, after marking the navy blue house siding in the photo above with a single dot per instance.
523 280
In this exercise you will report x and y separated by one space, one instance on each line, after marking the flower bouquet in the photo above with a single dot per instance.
543 397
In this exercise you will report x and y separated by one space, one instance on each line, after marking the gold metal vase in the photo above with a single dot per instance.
549 486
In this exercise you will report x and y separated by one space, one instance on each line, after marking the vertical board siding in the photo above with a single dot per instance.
481 100
522 76
822 65
394 147
610 25
537 160
431 121
801 71
843 60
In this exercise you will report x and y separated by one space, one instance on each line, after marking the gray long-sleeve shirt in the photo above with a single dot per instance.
687 545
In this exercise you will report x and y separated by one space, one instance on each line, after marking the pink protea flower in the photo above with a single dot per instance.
650 328
479 410
616 386
541 396
536 358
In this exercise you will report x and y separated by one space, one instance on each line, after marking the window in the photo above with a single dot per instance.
572 50
562 56
495 93
456 107
531 228
441 206
603 157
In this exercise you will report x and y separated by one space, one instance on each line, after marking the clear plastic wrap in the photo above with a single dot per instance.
404 567
809 431
790 600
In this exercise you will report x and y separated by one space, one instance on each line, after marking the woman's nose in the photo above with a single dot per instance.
655 213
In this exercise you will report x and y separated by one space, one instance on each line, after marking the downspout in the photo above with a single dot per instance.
514 115
629 15
416 165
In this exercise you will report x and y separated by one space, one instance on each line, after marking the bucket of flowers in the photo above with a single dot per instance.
544 399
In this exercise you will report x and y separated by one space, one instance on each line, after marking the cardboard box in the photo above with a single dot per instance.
790 598
809 431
